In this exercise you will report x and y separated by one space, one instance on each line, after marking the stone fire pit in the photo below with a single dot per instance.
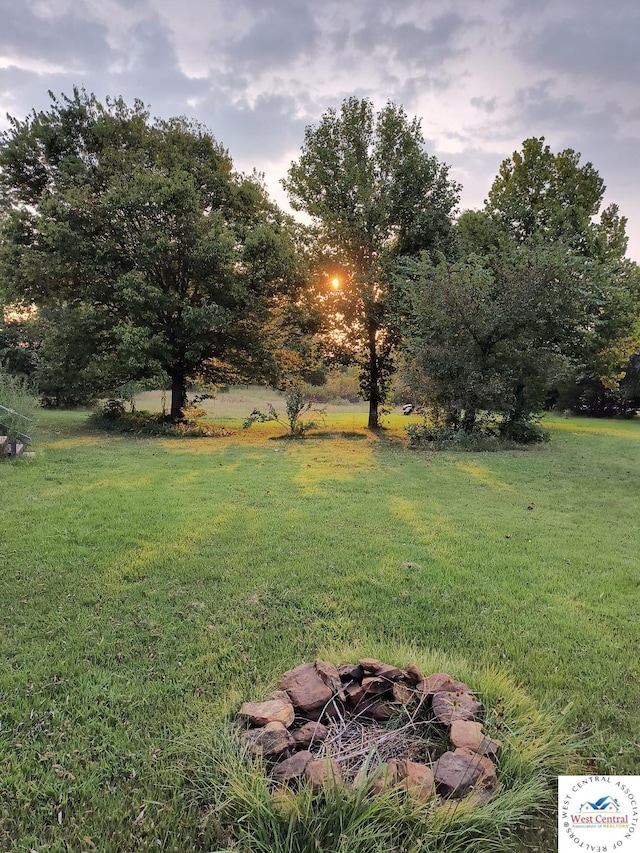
376 725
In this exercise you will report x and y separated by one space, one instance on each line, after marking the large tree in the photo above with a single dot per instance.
375 195
552 199
144 229
540 294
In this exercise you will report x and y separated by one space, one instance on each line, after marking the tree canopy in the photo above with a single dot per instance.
148 255
490 333
375 195
545 196
144 230
539 298
542 198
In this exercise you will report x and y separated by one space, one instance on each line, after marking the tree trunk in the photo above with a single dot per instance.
452 418
519 405
469 421
374 380
373 414
178 395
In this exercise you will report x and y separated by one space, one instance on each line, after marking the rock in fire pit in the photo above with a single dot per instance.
376 725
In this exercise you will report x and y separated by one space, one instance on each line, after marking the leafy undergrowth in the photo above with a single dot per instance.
241 812
151 423
490 436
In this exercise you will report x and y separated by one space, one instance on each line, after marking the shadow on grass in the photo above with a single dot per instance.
351 435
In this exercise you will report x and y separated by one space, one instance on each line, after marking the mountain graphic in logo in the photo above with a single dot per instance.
604 804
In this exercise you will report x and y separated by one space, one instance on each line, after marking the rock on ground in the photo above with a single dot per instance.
305 687
466 734
272 711
383 670
448 707
441 682
323 773
292 768
310 733
271 740
416 779
458 773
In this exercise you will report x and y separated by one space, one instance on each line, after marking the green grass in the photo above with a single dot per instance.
147 586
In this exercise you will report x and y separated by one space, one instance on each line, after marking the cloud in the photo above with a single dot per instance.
70 40
279 35
488 105
153 74
590 40
145 67
23 89
255 132
31 64
538 105
474 168
424 46
483 78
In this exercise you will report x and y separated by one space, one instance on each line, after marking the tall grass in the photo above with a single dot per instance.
20 406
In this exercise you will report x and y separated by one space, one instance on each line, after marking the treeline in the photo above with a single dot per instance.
136 253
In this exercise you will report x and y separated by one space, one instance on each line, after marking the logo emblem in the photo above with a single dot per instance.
599 813
603 804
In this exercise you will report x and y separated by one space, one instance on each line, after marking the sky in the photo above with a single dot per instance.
482 76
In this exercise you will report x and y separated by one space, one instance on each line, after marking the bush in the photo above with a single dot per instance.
448 438
524 431
427 433
487 434
193 414
593 399
142 422
298 403
112 410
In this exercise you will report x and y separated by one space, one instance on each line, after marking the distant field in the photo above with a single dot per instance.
239 401
150 585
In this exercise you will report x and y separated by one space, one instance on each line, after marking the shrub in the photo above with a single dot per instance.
192 414
142 422
112 409
524 431
298 403
487 434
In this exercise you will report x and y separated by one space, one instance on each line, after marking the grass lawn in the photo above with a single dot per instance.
149 585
